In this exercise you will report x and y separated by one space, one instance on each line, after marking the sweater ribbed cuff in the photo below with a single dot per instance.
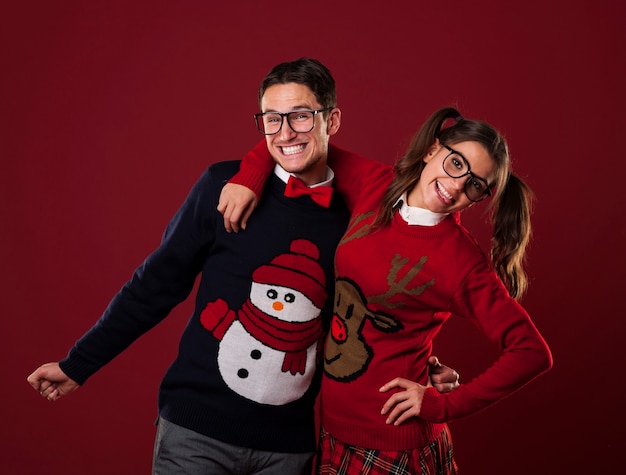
77 369
250 177
432 408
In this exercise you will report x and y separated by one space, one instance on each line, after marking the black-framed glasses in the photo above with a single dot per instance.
456 166
300 121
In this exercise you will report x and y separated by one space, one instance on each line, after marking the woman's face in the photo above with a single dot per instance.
440 193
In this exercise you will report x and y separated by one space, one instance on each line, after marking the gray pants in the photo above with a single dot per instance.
182 451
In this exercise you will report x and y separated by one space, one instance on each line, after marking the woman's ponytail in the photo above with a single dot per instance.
510 217
510 206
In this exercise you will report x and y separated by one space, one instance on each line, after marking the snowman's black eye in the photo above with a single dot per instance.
289 298
243 373
272 294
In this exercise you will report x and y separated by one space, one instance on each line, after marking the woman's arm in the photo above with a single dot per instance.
525 354
255 168
353 172
240 196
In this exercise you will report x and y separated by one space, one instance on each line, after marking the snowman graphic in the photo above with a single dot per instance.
270 347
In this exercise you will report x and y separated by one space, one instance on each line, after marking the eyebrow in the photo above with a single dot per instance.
294 109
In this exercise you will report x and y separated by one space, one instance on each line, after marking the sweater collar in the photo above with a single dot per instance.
415 216
284 175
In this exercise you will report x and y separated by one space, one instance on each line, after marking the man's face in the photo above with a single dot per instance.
303 154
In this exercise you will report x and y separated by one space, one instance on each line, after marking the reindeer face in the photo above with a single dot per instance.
347 354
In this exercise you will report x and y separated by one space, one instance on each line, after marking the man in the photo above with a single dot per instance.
239 396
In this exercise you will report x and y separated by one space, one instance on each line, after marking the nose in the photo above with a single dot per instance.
338 330
278 306
458 184
286 132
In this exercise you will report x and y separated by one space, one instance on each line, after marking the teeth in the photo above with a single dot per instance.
444 192
293 149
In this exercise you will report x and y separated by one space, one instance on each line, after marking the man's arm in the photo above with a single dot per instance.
163 280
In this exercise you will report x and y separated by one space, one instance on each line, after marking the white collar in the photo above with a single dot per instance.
284 175
418 216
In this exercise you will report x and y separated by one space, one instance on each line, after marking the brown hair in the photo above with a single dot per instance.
308 72
511 203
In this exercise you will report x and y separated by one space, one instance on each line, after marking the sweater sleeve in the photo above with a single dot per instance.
255 168
525 355
353 173
164 280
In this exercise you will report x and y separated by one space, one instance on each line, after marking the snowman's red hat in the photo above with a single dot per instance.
298 269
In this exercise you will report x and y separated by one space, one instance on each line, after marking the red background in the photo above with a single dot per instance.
110 110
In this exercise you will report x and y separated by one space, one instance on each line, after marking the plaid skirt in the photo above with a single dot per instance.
337 458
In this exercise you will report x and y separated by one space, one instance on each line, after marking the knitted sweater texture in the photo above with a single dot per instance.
395 287
247 371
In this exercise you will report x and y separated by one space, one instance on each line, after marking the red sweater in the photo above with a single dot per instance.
394 289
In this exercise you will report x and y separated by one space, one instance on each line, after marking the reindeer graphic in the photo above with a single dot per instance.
347 354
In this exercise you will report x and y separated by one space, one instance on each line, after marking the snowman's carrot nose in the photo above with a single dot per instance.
278 306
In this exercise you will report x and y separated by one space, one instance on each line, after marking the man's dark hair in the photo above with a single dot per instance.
308 72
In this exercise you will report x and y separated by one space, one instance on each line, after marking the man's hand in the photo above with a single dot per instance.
236 204
443 378
51 382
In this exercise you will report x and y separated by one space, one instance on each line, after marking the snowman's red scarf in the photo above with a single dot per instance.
292 338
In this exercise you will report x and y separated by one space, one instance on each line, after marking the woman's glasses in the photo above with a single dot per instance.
455 165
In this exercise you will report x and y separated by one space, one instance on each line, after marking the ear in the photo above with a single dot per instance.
432 151
334 121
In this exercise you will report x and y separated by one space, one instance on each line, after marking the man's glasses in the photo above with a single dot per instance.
301 121
456 166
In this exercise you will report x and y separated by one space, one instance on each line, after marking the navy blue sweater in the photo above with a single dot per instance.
246 372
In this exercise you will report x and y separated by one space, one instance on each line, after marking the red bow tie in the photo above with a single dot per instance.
320 194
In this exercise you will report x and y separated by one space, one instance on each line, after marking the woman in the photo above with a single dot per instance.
404 265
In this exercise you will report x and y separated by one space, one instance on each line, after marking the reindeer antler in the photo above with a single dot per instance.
397 286
354 222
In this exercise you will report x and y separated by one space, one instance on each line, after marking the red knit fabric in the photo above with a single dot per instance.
403 282
395 288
